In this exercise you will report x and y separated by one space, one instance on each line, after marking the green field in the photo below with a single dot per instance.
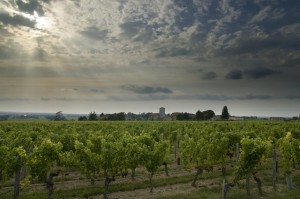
142 156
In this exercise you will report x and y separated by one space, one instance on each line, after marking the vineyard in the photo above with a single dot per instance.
153 159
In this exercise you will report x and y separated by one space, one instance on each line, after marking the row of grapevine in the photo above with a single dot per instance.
93 153
39 151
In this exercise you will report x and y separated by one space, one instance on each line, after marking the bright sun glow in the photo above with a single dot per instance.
41 22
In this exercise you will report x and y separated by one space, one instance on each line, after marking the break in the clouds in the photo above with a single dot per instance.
150 54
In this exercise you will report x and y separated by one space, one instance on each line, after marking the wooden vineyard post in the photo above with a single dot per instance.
248 184
259 184
223 189
289 180
107 181
199 172
50 183
175 149
17 178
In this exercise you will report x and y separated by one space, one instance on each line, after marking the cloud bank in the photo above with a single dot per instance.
169 50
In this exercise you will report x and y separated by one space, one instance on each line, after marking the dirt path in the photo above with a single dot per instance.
162 191
75 181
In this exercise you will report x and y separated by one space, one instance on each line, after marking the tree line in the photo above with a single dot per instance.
183 116
110 117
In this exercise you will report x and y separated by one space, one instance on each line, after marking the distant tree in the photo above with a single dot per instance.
93 116
82 118
121 116
209 114
148 116
183 116
199 115
186 116
179 116
225 113
4 117
117 116
59 116
102 116
295 118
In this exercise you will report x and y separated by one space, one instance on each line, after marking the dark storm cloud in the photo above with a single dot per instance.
146 89
234 74
15 20
209 75
260 72
246 44
30 7
94 33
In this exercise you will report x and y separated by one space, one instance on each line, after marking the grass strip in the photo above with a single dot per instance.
84 192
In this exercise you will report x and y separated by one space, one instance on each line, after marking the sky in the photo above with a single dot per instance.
109 56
